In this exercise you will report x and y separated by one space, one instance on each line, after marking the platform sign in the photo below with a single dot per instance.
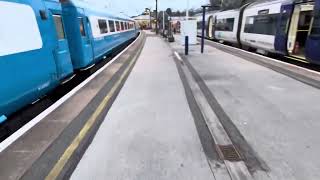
189 28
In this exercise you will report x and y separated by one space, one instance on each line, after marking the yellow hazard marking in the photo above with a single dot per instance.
296 58
54 173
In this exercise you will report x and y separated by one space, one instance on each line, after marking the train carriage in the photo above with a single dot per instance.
43 43
280 26
284 27
93 32
259 25
298 39
287 27
34 55
227 26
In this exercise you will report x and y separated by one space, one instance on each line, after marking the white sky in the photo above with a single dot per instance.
134 7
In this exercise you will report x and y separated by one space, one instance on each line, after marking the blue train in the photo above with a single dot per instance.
286 27
43 43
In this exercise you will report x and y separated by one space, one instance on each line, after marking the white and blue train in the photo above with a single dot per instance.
44 42
286 27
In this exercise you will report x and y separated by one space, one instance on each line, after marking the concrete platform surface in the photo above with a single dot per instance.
278 116
149 132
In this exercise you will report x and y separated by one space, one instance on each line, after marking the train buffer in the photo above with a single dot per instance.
154 113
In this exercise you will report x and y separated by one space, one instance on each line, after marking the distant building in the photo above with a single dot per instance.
176 23
145 21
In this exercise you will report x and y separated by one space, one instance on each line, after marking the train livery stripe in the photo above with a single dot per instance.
19 31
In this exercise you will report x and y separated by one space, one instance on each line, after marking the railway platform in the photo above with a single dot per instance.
149 132
155 113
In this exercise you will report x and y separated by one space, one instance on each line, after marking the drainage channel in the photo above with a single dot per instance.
233 163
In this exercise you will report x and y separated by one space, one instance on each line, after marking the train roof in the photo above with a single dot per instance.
269 2
228 11
96 9
198 16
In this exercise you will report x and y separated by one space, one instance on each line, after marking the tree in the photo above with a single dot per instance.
169 11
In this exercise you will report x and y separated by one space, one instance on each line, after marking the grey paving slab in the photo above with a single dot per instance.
149 132
277 115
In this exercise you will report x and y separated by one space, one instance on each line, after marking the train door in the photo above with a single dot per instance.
210 27
61 52
84 26
85 31
283 23
299 30
313 41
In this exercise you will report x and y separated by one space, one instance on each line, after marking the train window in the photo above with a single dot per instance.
118 26
248 28
103 26
111 26
199 25
19 29
261 24
225 24
284 22
59 26
315 31
122 25
82 31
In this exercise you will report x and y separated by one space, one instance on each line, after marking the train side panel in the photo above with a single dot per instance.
227 26
79 35
93 33
27 59
259 26
313 41
114 35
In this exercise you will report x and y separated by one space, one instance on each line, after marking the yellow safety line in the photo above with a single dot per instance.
54 173
293 57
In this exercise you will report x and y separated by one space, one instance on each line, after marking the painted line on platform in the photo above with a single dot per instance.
11 139
178 56
58 167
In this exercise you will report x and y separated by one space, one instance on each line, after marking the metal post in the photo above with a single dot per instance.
203 26
163 21
186 45
150 23
157 17
187 11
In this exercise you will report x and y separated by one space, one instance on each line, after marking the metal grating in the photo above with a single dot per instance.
230 153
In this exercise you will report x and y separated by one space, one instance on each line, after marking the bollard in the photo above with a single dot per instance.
186 45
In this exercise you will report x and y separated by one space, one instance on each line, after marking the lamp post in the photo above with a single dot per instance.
187 11
157 17
148 10
203 26
163 25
